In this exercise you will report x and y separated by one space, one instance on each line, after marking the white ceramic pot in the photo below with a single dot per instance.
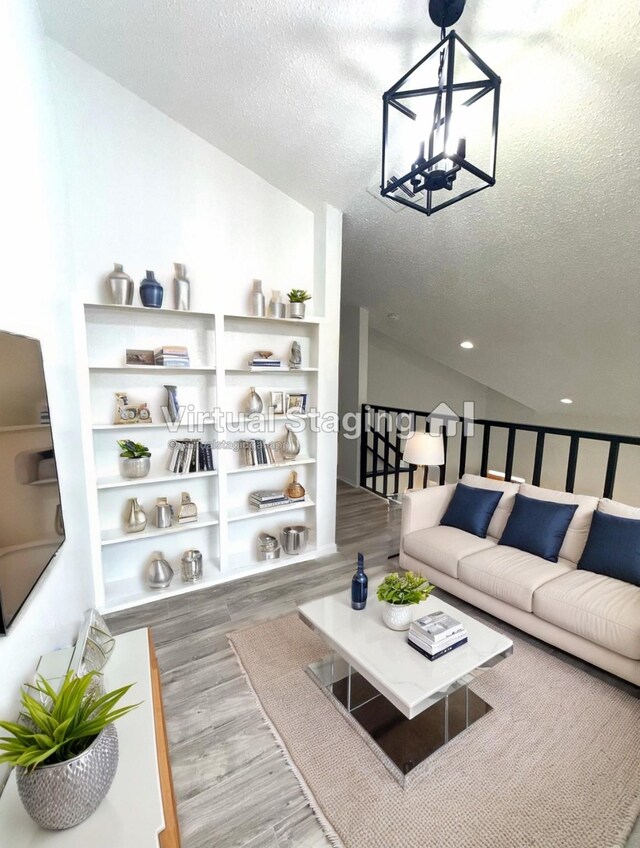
397 616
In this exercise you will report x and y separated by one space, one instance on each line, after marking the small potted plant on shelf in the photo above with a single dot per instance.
399 592
297 298
65 748
136 460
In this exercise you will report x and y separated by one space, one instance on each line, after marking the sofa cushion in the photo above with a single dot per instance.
471 509
616 508
576 537
503 510
598 608
538 527
613 548
443 547
509 574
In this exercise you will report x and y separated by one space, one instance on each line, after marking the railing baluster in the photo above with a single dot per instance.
364 445
396 464
385 473
443 468
462 462
612 466
572 464
376 449
511 446
486 437
537 462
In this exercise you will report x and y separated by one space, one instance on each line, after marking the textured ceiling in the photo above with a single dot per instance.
540 271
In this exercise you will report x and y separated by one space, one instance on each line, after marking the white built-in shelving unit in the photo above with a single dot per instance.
226 532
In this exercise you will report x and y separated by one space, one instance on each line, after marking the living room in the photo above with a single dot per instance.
199 189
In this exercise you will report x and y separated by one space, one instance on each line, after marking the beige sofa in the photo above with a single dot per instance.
589 615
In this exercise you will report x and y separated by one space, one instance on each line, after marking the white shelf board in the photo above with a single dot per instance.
239 563
310 319
139 369
124 482
148 310
285 463
265 418
164 425
271 370
115 535
133 591
247 512
18 428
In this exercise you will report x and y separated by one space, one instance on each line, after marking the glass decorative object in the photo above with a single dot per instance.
359 586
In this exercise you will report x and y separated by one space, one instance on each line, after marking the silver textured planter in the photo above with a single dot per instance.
137 467
63 795
296 310
397 616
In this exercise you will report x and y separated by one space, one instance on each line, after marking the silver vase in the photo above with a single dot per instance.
136 517
291 445
159 572
277 308
172 403
120 286
257 300
62 795
295 359
254 402
181 288
191 566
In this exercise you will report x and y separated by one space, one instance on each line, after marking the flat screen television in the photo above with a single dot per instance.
31 525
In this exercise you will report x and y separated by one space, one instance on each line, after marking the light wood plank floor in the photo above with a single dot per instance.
233 787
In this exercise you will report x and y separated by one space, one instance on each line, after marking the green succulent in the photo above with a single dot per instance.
404 589
298 296
132 450
58 726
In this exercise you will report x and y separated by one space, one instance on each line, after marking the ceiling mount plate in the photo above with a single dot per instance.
444 13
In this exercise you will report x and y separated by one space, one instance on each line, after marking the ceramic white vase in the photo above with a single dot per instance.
397 616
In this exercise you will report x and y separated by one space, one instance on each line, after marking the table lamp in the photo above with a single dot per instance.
424 449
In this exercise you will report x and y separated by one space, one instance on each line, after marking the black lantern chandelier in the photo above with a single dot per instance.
440 123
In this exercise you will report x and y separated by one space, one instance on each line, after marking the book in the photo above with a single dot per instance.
432 647
437 625
266 495
439 653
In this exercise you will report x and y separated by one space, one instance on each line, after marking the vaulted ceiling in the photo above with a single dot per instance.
541 272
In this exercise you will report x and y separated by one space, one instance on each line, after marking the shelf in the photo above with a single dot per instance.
114 537
169 426
310 319
148 310
133 591
288 463
239 563
248 513
19 428
264 417
271 370
44 482
125 482
139 369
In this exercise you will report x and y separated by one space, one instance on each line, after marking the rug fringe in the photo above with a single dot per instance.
324 823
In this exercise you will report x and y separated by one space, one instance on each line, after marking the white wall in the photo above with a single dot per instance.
352 390
37 273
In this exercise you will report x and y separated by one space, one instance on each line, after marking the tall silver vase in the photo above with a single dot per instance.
291 445
181 287
172 403
136 517
254 402
120 286
257 300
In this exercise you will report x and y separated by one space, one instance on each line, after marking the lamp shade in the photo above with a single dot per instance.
424 449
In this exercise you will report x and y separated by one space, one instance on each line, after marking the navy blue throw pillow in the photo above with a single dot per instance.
613 548
538 527
471 509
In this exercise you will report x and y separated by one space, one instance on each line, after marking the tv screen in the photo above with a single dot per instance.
31 526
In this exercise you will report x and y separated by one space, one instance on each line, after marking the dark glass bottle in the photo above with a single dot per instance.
359 586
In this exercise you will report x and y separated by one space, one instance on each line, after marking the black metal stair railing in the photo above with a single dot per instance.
382 429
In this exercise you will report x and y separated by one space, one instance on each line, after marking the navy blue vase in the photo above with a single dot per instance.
151 292
359 586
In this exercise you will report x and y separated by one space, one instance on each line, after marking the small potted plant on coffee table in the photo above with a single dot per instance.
64 748
297 298
399 592
135 459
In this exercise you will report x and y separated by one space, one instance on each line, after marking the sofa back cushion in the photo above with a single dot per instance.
471 509
505 505
576 537
613 548
617 508
538 526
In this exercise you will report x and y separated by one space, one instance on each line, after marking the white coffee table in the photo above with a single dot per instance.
409 705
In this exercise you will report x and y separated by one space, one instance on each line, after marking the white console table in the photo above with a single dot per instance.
139 811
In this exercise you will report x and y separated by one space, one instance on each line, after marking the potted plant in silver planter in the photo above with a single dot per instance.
297 298
399 593
65 748
136 460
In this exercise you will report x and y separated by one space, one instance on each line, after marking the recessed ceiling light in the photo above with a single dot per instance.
566 400
393 316
467 345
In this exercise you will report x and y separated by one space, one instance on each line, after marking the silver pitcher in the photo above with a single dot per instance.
164 513
191 566
294 539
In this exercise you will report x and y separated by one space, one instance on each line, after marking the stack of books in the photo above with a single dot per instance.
191 455
171 357
258 452
267 499
436 634
258 362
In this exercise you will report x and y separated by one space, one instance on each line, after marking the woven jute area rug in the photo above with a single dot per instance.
556 764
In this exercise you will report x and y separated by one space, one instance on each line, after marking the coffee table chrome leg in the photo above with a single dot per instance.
466 706
349 689
446 719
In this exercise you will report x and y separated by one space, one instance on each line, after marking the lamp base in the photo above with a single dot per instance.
444 13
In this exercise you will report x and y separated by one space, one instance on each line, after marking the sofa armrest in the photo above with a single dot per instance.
425 507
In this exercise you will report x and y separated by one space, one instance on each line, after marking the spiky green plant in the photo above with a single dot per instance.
59 725
132 450
298 296
407 588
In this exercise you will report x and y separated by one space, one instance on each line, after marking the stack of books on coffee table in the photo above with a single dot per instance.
436 634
